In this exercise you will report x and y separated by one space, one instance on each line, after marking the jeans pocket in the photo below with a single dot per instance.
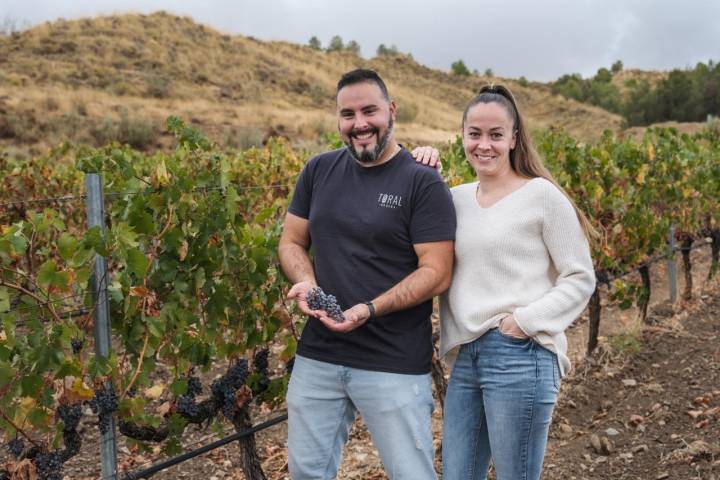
556 372
511 338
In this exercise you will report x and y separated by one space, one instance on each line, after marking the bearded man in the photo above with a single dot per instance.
382 228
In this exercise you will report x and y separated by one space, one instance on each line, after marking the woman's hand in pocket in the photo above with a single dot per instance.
508 326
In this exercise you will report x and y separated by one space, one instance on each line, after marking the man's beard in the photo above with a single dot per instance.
370 155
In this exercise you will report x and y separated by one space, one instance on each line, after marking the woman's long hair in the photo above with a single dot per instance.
524 159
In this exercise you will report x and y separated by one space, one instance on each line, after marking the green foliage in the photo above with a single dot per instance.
353 47
690 95
489 72
459 68
383 51
626 343
314 43
191 243
598 90
336 44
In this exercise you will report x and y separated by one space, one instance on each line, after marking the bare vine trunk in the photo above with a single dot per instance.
644 299
687 267
715 247
594 313
249 458
438 373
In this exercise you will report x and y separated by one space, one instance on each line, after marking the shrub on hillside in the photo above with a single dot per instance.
383 51
459 68
137 132
158 86
407 112
336 44
314 43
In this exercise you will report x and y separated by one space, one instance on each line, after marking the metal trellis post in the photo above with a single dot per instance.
96 218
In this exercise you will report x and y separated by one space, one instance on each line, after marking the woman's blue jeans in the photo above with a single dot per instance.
499 405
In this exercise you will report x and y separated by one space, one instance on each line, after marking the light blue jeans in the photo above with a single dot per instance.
499 405
323 399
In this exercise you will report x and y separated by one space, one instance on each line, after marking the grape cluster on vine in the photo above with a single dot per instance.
76 345
224 388
186 405
49 465
317 299
194 387
104 403
70 416
16 446
261 364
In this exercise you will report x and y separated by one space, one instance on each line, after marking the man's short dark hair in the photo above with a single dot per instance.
361 75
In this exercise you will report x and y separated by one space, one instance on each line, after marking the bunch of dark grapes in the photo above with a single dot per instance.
70 416
76 345
260 360
261 364
104 403
16 446
186 404
49 465
319 300
224 388
194 387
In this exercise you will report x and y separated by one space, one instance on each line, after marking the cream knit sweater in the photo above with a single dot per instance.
526 255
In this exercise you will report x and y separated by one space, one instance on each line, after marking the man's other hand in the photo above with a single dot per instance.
428 156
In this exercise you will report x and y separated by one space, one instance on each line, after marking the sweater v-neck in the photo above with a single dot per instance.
501 199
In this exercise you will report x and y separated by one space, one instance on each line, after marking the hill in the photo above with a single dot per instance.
94 79
626 77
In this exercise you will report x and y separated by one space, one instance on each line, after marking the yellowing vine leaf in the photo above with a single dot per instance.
155 391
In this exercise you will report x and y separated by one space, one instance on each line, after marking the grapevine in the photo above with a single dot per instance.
191 245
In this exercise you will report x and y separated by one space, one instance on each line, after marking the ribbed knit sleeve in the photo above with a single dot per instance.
568 249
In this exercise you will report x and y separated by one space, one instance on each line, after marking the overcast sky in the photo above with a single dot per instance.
538 39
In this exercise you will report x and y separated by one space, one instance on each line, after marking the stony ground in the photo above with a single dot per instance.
651 413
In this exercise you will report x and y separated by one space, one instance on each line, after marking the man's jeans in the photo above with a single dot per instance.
323 399
499 404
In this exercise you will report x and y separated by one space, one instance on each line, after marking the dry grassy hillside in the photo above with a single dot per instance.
621 78
96 79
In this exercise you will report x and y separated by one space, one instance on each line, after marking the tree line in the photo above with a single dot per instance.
685 95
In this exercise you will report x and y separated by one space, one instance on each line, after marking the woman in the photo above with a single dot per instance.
523 274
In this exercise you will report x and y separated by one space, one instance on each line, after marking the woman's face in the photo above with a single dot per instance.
488 137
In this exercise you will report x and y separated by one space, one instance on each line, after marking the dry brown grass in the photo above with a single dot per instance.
621 78
234 87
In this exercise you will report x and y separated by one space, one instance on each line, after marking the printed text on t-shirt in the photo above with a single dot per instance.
387 200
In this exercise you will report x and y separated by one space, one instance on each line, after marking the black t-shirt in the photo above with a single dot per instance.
364 222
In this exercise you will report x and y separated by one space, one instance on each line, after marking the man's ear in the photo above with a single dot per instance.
393 109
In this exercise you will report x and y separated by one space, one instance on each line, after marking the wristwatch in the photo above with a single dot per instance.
371 308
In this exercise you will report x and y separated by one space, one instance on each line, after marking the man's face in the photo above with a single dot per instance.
365 120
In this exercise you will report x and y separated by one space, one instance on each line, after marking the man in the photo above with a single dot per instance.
381 228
